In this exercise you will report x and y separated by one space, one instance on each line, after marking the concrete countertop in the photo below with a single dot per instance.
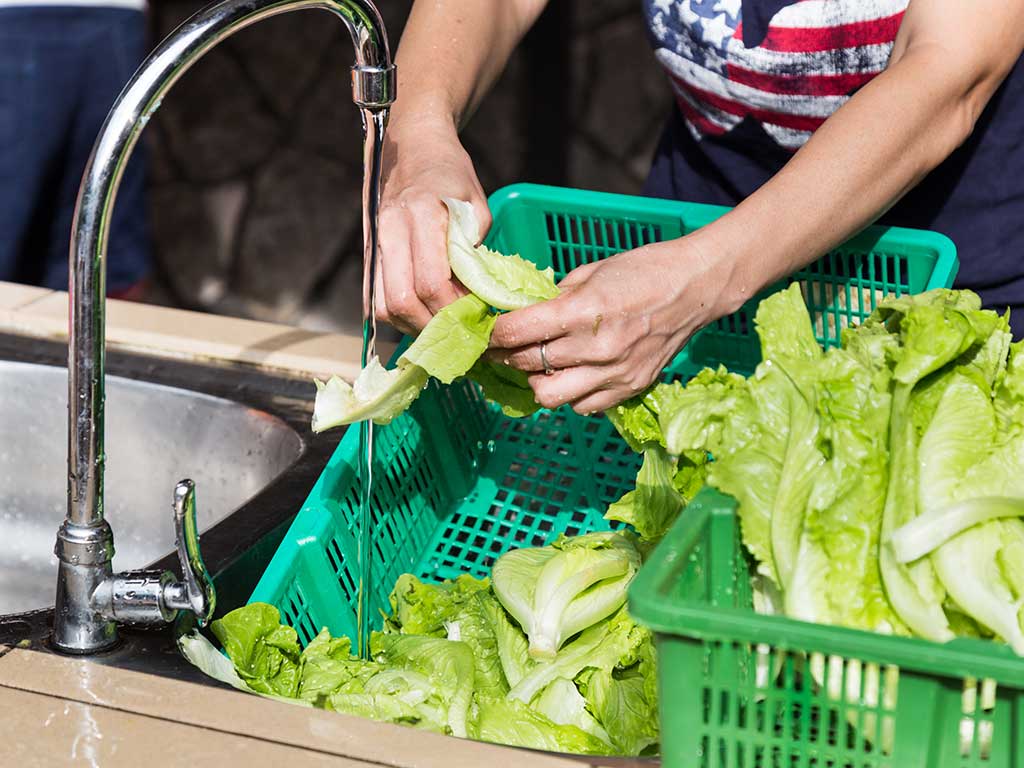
134 327
65 711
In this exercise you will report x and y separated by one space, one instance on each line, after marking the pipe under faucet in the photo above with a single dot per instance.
91 599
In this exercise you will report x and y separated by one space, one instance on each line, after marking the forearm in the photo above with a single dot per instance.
452 51
873 150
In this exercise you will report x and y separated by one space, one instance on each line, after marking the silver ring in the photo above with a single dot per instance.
544 360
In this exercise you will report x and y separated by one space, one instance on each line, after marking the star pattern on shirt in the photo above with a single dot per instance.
711 23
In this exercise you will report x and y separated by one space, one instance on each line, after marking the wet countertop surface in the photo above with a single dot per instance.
65 711
57 710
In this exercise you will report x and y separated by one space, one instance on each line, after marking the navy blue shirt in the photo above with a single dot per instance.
754 78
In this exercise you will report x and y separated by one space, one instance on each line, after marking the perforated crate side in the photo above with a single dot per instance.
533 480
741 689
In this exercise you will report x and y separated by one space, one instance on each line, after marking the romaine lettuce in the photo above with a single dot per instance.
503 281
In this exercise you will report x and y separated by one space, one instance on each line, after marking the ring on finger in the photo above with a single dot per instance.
548 370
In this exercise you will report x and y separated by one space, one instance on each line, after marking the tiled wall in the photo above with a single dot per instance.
256 152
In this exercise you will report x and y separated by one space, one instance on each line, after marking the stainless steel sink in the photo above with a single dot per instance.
156 435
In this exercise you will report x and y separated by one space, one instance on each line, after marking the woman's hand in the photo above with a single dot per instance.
617 323
423 163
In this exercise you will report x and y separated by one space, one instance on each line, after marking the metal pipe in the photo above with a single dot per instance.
85 543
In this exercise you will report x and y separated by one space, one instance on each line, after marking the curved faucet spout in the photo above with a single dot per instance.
85 543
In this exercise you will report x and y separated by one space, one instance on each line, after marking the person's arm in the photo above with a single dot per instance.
451 53
948 60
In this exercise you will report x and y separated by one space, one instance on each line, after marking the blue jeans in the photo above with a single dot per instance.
61 68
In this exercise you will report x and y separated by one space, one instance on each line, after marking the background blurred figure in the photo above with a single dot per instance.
62 65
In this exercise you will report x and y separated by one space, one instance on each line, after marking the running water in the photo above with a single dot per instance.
374 123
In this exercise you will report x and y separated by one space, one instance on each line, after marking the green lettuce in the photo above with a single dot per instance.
447 666
377 394
265 652
453 340
559 590
603 645
509 721
654 504
329 668
506 386
502 281
766 447
418 608
636 419
625 699
934 329
562 704
842 528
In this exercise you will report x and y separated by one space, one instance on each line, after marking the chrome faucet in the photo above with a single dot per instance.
91 599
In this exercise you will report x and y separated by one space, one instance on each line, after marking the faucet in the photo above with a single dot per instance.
91 600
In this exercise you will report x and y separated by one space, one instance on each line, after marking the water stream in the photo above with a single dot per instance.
374 124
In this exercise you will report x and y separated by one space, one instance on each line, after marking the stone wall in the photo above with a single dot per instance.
255 155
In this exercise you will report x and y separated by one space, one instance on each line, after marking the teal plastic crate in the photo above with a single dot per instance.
742 689
457 483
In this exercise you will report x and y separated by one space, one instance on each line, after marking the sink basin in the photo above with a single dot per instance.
155 436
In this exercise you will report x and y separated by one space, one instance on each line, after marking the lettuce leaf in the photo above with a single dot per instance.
265 652
453 340
509 721
446 664
636 420
625 699
654 504
502 281
377 394
562 704
842 529
418 608
506 386
559 590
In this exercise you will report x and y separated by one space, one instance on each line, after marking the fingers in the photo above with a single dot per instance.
432 273
534 324
396 279
589 389
483 214
531 360
599 401
573 311
578 275
570 385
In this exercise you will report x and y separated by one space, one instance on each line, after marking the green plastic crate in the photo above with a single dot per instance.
735 689
457 483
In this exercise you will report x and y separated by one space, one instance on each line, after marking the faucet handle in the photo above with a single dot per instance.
196 593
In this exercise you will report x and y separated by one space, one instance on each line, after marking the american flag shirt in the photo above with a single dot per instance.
753 80
729 60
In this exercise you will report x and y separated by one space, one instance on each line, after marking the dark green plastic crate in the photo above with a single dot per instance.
457 483
734 689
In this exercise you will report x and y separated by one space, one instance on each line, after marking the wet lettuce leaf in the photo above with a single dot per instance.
377 394
506 386
655 503
559 590
502 281
453 340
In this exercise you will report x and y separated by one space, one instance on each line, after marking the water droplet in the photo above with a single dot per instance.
491 445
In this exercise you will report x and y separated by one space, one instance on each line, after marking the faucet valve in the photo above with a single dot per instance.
155 597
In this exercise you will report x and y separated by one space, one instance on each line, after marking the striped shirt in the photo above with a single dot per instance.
753 79
788 72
